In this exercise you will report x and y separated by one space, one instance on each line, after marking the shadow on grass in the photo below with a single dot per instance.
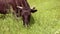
2 16
32 21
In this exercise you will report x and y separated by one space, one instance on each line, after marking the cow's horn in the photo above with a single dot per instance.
20 7
32 7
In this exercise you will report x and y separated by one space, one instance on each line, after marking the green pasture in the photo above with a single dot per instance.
45 21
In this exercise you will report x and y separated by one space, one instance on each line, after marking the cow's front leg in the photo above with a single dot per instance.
14 13
19 12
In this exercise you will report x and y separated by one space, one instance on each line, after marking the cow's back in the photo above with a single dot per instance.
4 4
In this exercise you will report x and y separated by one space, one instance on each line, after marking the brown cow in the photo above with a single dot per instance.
20 7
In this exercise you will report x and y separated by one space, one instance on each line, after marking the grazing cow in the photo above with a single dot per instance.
20 7
26 12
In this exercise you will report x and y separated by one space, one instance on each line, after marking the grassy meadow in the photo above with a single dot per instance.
45 21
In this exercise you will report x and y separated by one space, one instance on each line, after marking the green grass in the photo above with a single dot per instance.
45 21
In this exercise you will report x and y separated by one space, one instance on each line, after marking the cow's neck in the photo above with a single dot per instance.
25 4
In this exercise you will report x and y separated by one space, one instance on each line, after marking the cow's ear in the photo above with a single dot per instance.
33 11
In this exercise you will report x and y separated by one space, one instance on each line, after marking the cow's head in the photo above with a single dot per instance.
26 13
